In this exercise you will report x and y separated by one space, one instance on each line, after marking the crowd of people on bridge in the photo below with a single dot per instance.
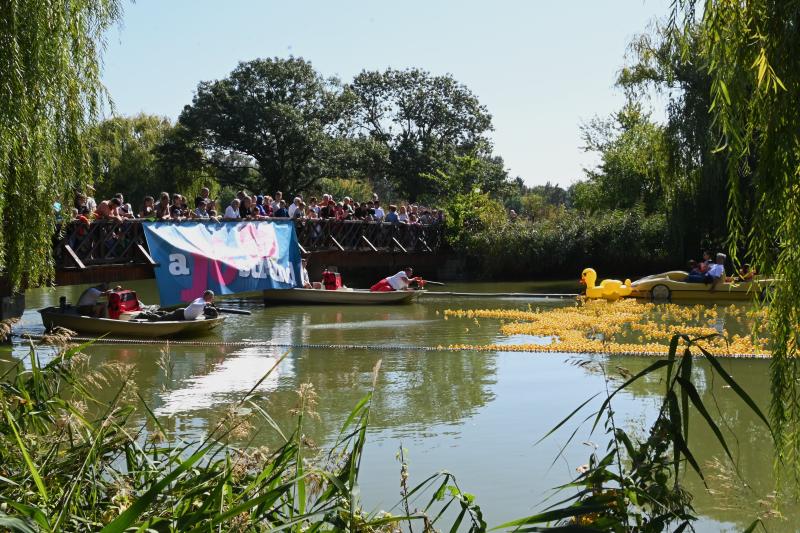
245 206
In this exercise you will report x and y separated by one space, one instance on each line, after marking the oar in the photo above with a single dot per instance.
233 311
434 283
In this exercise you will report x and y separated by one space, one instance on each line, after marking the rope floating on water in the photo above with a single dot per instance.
530 348
500 294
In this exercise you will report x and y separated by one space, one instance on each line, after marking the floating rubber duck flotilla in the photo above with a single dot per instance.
610 289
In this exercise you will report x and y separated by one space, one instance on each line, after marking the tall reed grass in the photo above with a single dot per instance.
70 462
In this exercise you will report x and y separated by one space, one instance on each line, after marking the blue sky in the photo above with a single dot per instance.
540 67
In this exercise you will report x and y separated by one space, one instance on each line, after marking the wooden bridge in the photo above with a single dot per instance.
117 251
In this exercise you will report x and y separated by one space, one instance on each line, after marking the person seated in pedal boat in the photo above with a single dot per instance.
745 273
706 262
89 304
695 275
399 282
716 272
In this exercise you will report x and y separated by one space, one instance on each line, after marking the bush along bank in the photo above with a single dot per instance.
625 243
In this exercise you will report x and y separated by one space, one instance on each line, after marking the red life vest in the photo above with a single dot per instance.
122 302
331 280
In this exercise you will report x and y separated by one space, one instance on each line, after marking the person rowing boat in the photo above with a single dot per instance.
399 282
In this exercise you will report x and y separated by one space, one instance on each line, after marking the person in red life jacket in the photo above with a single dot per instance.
399 282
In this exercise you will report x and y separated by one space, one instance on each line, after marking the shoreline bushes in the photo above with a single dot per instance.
613 242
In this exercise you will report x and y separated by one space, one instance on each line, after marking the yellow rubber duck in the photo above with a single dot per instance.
610 289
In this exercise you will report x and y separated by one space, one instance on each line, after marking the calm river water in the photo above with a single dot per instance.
477 415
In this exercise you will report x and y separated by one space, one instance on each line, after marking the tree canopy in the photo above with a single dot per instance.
124 159
424 121
275 118
50 92
633 163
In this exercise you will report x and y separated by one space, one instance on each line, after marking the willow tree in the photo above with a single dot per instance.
50 91
752 52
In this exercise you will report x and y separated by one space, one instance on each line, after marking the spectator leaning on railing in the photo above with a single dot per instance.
257 207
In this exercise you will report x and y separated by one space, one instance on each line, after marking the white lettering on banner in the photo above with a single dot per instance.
177 265
269 268
281 273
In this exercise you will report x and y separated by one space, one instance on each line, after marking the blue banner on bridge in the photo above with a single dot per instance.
226 257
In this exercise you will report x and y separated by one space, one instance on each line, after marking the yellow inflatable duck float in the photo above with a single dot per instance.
610 289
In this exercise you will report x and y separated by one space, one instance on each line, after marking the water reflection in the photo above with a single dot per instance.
237 374
729 497
476 414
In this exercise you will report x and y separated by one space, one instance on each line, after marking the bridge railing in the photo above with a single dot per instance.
80 245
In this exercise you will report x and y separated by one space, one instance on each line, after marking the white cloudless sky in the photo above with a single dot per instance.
539 66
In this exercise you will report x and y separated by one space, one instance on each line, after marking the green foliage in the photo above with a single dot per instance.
358 190
633 163
71 462
636 485
470 213
424 122
625 242
275 119
673 64
751 49
50 92
539 201
123 157
464 174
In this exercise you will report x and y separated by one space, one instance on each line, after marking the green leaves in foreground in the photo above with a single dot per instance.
636 486
69 462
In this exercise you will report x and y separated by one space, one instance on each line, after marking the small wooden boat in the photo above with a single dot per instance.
338 297
69 318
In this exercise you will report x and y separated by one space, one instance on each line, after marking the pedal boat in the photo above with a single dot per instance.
338 297
126 326
670 286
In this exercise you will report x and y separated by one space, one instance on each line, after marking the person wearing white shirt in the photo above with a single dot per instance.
294 206
379 214
232 211
194 310
398 282
88 302
276 202
716 272
305 281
